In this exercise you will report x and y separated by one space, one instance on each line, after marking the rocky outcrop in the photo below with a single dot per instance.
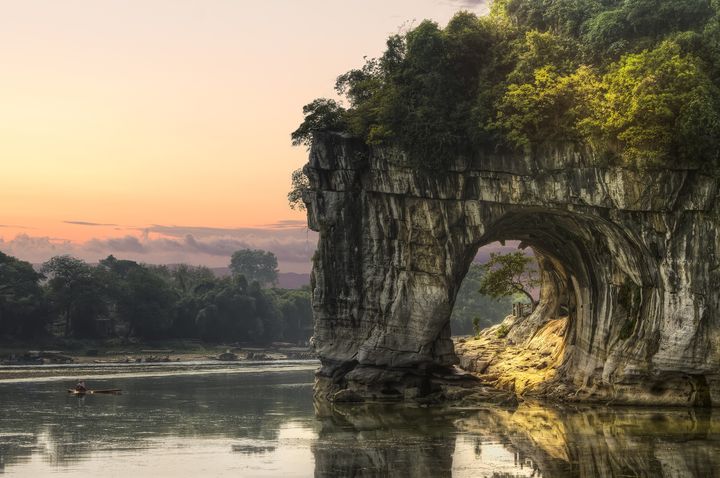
526 367
631 258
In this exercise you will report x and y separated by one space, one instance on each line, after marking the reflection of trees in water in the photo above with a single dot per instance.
15 447
40 419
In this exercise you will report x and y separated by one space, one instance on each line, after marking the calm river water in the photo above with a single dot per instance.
261 421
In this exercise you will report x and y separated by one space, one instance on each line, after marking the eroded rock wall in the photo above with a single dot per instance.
637 255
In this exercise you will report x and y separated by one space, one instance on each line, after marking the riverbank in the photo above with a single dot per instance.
16 356
111 372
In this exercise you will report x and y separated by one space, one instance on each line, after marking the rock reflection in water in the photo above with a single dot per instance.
531 441
607 442
377 440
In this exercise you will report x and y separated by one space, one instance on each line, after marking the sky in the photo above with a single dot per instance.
158 130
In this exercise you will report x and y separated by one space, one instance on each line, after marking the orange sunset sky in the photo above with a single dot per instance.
158 130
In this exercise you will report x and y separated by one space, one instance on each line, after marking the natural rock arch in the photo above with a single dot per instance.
633 256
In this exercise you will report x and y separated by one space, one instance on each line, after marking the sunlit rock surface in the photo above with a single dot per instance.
631 259
526 367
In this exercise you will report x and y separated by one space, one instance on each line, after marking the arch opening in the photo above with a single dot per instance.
595 278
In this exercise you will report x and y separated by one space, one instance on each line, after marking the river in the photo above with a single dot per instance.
261 421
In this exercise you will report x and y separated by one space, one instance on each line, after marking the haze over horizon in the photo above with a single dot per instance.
159 131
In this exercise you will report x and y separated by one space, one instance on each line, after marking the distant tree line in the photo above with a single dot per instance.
121 298
117 298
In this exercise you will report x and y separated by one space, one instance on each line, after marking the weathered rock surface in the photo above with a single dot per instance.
632 259
524 368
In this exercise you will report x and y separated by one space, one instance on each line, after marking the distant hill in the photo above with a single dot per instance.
293 280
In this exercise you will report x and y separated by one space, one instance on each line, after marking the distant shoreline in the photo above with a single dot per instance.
30 360
115 371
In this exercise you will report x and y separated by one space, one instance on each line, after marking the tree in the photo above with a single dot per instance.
552 109
23 308
142 295
152 302
255 265
634 25
230 312
473 310
147 303
661 108
542 50
505 275
321 114
267 313
296 310
187 278
76 293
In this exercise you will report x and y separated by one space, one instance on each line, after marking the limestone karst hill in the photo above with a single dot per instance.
632 258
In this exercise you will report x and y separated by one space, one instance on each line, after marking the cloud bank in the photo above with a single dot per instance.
292 243
86 223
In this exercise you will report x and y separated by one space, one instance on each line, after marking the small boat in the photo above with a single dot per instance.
109 391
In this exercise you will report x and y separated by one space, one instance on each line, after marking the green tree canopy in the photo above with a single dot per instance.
321 114
76 293
23 308
474 311
660 106
255 265
298 184
505 275
125 299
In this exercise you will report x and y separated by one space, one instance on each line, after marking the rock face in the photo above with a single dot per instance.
632 258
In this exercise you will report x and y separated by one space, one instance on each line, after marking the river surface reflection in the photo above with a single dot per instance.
263 423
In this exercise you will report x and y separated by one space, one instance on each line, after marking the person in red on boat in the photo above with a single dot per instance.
80 387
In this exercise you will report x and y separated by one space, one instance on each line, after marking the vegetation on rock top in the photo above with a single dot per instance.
635 81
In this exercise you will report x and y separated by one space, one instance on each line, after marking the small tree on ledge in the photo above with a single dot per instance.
298 184
505 275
